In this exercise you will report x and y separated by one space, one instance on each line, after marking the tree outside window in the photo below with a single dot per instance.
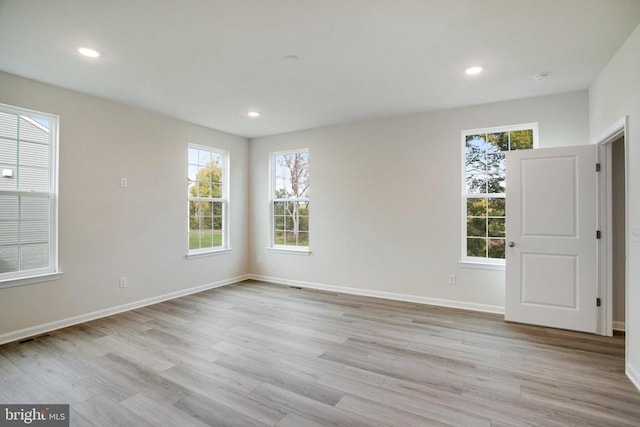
207 199
484 187
291 198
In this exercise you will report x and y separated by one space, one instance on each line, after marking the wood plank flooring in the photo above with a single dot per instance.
257 354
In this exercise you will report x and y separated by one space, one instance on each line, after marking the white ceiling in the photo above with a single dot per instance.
211 61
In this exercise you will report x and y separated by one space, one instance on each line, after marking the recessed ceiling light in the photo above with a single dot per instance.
88 52
540 77
253 114
473 70
290 59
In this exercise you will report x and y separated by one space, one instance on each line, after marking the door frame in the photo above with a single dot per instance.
605 206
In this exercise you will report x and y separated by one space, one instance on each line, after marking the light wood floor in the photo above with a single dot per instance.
257 354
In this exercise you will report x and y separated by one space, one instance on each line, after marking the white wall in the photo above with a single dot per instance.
618 200
614 94
386 199
106 231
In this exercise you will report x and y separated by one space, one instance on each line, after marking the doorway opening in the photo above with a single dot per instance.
613 202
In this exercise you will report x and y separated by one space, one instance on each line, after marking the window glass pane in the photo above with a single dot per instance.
496 248
33 179
303 238
278 222
194 235
8 152
291 238
304 223
31 154
477 247
216 190
31 130
476 184
193 172
34 231
34 208
496 170
521 139
193 156
499 140
216 161
8 208
279 238
476 227
217 223
496 207
204 158
8 125
217 208
496 227
304 208
8 233
8 184
34 256
278 208
476 206
8 258
291 175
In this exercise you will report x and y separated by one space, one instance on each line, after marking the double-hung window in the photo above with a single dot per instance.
208 187
28 195
290 200
484 204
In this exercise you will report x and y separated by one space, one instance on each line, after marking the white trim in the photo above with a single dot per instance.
296 250
28 280
384 295
204 254
633 375
70 321
605 247
618 326
481 265
613 132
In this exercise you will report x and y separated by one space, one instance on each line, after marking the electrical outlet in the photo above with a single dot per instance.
452 279
123 282
258 259
124 182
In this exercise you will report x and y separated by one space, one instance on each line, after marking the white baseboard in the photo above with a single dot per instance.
58 324
381 294
619 326
633 375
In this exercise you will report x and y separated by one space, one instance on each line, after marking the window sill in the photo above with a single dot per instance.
197 255
29 280
481 265
292 251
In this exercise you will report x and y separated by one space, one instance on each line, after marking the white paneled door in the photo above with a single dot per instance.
551 254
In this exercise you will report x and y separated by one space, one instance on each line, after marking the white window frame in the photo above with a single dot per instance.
484 262
224 199
273 247
51 272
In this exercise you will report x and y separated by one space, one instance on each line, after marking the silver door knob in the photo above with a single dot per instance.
511 244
